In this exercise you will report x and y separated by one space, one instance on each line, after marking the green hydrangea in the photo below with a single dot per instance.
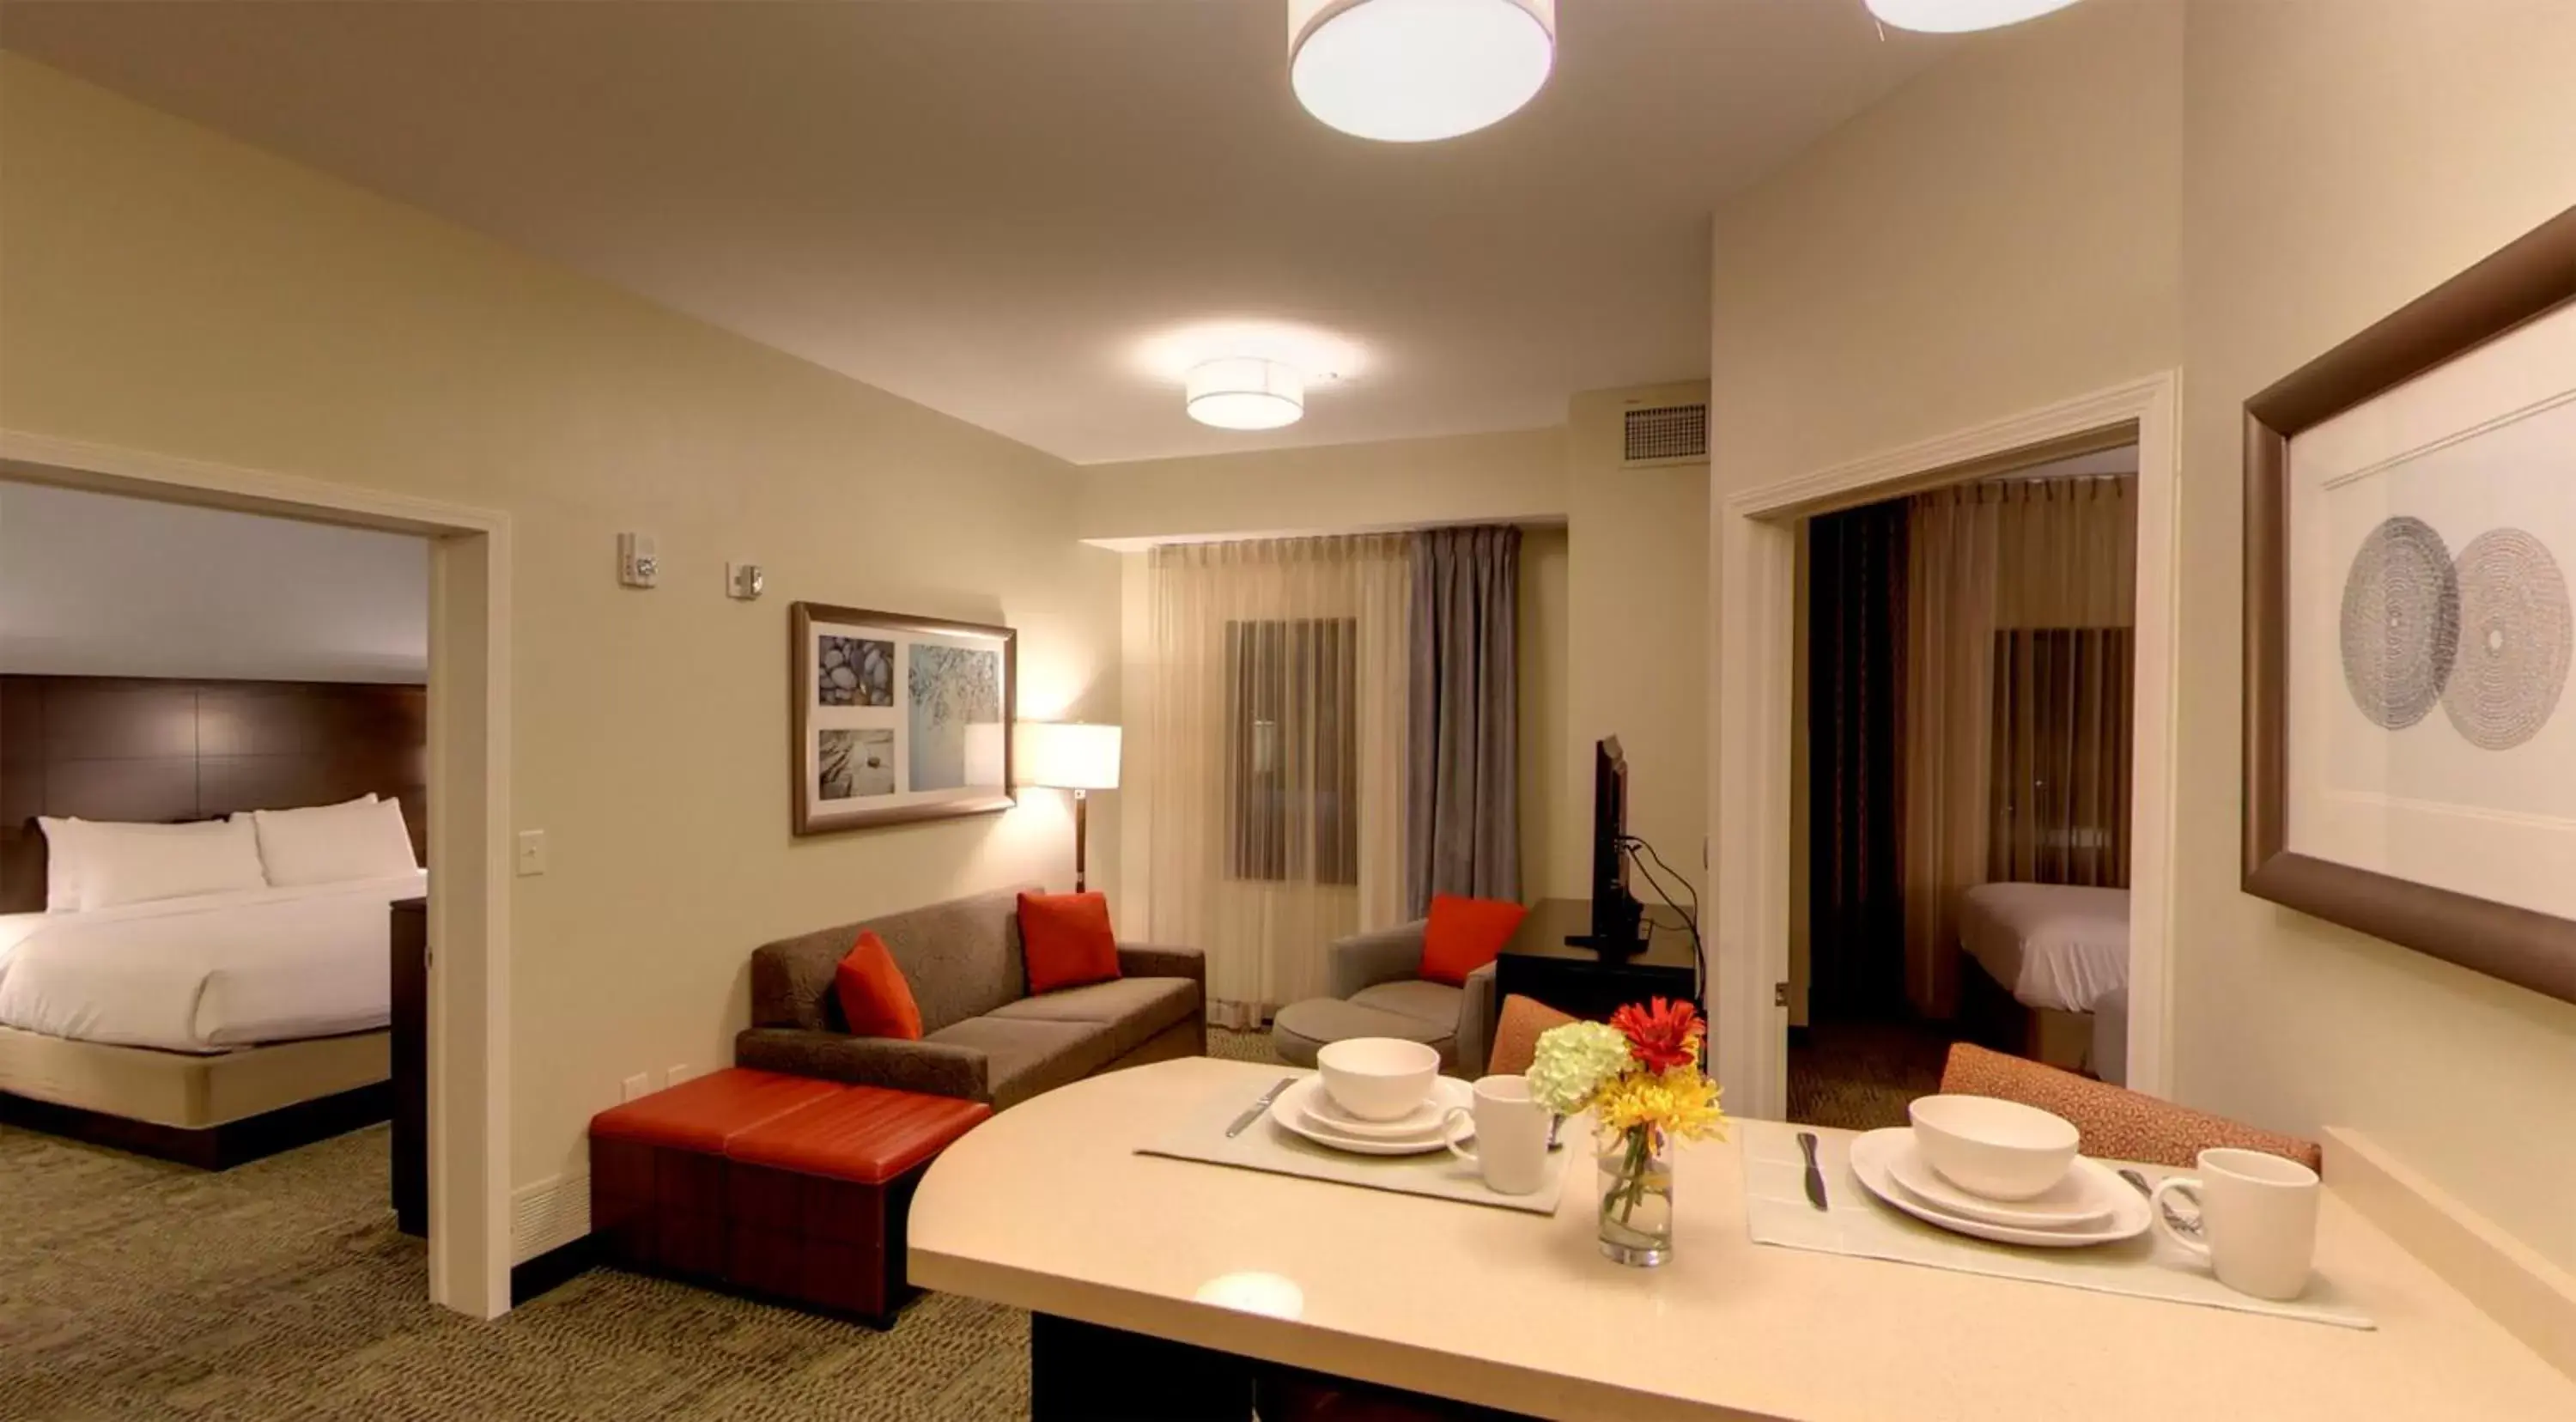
1573 1061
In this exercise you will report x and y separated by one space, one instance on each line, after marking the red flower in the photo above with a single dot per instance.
1663 1034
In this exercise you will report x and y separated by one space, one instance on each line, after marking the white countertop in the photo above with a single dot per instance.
1048 1207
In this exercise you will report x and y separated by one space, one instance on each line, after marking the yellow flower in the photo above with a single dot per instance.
1679 1103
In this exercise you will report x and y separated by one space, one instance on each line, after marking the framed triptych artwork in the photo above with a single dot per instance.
898 718
2410 624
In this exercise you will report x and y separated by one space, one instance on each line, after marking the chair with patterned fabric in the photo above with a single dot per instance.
2114 1122
1516 1034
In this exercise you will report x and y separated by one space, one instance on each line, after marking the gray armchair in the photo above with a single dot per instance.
1380 974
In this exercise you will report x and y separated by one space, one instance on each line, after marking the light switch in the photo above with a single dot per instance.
532 853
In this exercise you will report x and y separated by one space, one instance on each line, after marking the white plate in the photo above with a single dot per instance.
1871 1150
1421 1123
1290 1112
2067 1203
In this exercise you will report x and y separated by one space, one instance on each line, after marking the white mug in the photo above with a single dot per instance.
1511 1135
2259 1214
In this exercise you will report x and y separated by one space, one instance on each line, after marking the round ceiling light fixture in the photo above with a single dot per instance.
1245 393
1958 17
1410 71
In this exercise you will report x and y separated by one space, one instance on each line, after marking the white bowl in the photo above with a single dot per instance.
1999 1149
1378 1078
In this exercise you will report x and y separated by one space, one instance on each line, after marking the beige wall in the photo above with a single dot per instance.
1516 477
1998 234
2048 214
2343 160
1552 803
166 289
1637 596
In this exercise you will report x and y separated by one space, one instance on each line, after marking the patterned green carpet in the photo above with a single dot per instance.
130 1288
1860 1075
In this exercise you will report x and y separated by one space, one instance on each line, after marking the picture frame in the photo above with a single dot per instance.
897 718
2410 523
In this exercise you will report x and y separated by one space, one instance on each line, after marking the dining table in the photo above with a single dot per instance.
1158 1286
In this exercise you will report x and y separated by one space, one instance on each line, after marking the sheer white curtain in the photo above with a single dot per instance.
1276 756
2049 555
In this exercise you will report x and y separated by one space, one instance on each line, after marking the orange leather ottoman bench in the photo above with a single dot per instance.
657 1165
817 1197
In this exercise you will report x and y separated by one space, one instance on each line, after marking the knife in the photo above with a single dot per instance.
1244 1121
1815 1175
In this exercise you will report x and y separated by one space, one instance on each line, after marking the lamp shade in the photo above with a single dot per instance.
1412 71
1066 755
1955 17
1245 393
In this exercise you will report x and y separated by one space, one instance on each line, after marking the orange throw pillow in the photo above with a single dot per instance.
874 996
1066 940
1466 934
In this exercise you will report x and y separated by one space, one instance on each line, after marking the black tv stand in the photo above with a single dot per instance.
1608 947
1550 960
1616 932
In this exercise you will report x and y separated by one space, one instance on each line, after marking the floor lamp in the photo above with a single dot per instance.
1068 755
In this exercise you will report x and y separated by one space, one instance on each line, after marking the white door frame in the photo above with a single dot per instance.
469 810
1755 541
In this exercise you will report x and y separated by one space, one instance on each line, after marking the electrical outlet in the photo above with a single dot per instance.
745 582
640 1084
532 853
678 1073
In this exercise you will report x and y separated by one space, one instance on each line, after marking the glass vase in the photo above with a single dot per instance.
1637 1199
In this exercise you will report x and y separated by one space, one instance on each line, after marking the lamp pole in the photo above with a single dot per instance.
1081 834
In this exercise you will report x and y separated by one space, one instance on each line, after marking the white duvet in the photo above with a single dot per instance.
209 973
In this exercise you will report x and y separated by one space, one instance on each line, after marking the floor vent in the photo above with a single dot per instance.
1666 434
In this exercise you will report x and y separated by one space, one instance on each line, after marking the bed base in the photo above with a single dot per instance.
209 1147
1990 1016
213 1110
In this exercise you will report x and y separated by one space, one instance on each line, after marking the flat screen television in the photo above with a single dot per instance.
1616 914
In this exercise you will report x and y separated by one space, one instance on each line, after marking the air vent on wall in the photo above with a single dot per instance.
1666 434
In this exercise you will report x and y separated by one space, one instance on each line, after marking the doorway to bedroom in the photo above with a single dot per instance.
214 769
410 707
1963 726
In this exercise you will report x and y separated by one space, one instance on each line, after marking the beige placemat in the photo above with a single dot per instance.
1856 1222
1267 1145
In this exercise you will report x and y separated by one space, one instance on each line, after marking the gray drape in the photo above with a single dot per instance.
1462 778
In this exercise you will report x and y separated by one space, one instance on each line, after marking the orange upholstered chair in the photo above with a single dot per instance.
1516 1034
2115 1122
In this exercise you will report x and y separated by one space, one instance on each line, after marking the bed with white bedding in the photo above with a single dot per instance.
2054 947
207 973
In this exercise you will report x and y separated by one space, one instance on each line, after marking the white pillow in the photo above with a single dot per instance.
62 864
132 864
334 844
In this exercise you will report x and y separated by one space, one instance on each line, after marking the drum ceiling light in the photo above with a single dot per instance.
1957 17
1245 393
1410 71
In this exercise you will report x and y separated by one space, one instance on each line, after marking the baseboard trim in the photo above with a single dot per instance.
553 1269
2533 1299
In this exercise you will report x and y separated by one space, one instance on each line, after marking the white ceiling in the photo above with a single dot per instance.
97 585
997 207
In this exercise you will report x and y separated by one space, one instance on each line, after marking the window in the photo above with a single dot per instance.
1291 749
2061 755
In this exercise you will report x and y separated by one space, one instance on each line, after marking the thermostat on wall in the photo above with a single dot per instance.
639 560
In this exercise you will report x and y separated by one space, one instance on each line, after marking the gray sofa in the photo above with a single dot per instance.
983 1037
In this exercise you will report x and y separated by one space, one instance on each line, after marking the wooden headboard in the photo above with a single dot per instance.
119 748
